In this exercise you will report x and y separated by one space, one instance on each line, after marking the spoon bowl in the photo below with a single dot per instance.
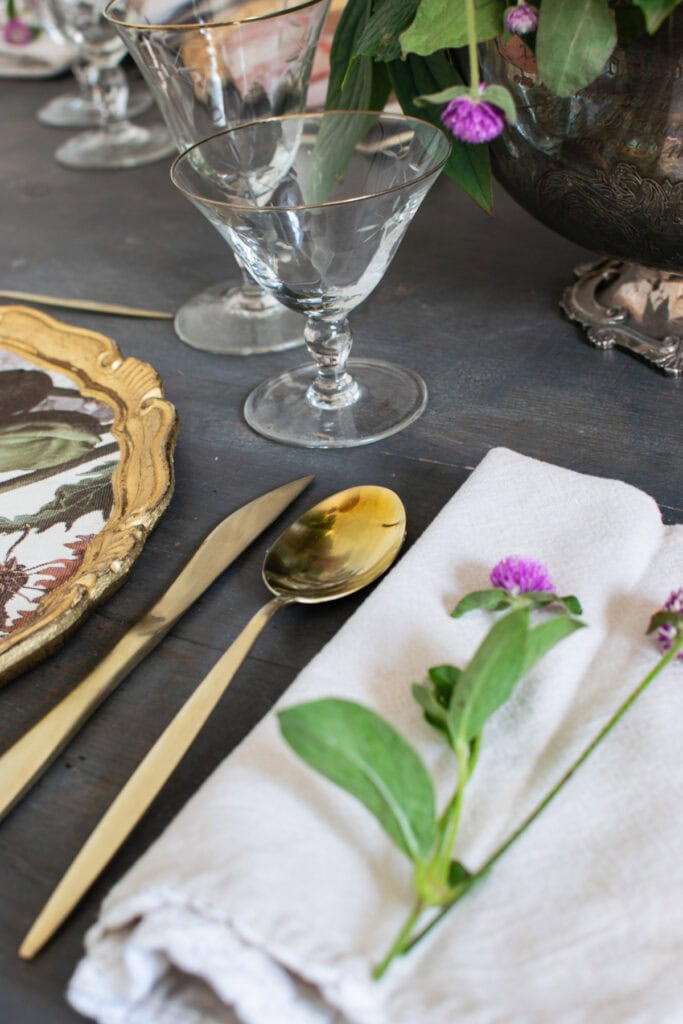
337 547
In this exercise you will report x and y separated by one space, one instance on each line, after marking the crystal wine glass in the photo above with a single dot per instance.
213 64
316 205
80 109
117 142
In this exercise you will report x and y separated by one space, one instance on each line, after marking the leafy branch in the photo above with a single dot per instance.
358 750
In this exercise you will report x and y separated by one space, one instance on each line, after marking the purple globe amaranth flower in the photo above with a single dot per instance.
520 575
666 634
473 120
16 32
521 19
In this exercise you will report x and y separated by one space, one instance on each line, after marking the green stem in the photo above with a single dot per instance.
472 48
442 859
676 646
397 946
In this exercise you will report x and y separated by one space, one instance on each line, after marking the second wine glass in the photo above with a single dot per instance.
212 64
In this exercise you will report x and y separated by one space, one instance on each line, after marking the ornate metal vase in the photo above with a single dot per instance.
604 168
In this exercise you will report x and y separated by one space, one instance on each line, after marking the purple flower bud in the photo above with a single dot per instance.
473 120
16 32
667 634
519 575
521 19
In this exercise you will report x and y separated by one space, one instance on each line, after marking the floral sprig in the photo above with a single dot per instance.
361 752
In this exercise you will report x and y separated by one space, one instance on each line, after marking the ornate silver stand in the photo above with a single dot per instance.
631 307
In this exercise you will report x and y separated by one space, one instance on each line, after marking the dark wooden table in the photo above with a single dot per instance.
469 302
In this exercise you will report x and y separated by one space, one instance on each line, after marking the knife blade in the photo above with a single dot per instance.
24 762
87 305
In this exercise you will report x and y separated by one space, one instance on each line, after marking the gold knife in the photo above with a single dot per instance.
88 305
27 759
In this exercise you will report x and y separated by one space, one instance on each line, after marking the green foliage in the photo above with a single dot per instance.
490 677
656 11
469 166
573 42
355 748
442 24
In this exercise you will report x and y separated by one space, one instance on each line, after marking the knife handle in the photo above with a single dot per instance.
144 784
26 760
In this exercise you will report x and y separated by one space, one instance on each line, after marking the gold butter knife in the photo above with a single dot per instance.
88 305
27 759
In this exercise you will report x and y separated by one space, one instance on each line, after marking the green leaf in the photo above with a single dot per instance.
361 752
664 618
489 600
444 96
444 678
434 712
41 440
457 874
379 38
573 42
442 24
572 604
353 85
543 637
500 97
363 88
656 11
490 677
468 165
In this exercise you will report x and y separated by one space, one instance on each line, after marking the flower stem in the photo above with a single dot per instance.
472 48
397 947
676 646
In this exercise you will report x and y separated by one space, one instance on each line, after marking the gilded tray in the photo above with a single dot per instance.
86 470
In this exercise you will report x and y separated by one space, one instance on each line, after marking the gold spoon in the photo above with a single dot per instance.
334 549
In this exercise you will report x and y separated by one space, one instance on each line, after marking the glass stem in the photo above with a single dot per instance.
253 298
86 75
329 342
110 93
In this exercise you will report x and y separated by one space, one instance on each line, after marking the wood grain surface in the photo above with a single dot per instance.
470 302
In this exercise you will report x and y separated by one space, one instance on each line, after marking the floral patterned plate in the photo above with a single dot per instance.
86 443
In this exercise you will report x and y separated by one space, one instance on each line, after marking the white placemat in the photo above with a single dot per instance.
273 892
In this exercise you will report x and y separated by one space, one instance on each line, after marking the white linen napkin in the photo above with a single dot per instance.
273 892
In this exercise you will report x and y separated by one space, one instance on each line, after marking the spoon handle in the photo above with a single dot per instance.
144 784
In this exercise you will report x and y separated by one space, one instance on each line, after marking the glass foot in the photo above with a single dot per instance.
390 398
238 322
75 111
127 146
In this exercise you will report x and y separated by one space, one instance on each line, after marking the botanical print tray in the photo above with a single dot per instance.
86 444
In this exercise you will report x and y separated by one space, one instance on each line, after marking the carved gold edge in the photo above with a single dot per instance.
145 427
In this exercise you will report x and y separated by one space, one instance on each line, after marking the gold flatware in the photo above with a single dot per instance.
334 549
87 305
27 759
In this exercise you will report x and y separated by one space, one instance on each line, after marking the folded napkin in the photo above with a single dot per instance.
271 895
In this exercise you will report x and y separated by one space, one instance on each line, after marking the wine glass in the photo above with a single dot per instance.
213 64
117 142
315 205
80 109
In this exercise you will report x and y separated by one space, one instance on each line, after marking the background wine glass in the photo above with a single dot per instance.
212 64
117 143
79 109
316 205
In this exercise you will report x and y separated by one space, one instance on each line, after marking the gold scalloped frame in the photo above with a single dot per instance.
145 427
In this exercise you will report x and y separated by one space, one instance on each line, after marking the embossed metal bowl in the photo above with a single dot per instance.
604 168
